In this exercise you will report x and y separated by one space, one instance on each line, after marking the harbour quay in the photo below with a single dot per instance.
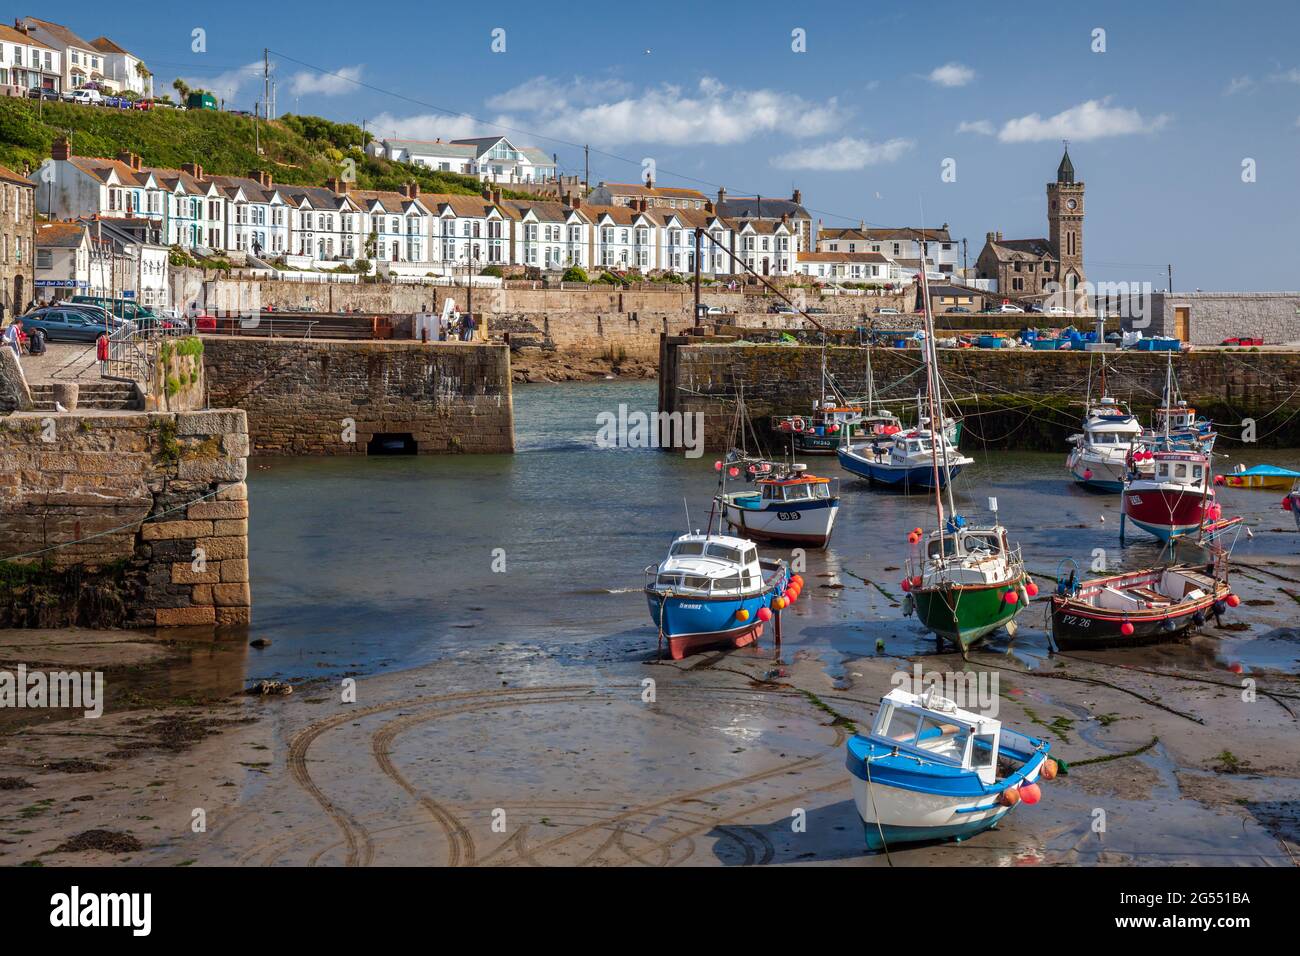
1009 398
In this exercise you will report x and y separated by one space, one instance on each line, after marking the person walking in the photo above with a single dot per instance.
13 337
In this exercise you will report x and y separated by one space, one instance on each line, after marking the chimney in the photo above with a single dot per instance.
62 149
722 196
577 202
642 205
496 196
261 176
487 193
411 190
194 169
797 198
708 205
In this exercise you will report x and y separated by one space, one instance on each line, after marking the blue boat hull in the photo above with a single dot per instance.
919 478
894 835
692 623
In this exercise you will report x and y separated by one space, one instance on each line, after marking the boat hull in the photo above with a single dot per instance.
917 478
979 610
1164 514
791 523
1096 474
1078 626
810 443
689 624
915 806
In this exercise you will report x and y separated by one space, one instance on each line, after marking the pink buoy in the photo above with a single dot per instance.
1031 588
1126 629
1011 597
764 614
1030 793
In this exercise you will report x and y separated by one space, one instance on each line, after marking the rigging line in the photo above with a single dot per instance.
100 534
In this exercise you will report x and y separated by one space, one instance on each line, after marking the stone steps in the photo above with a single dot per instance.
104 396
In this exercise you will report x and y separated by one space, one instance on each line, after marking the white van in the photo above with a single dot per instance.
86 96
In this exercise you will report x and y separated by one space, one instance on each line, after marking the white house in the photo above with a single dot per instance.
848 267
326 225
625 238
904 242
123 71
26 63
677 241
257 218
97 258
548 235
493 159
767 246
82 63
469 232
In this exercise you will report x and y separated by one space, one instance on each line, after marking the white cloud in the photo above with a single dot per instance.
1093 119
1290 76
228 85
428 126
708 114
844 154
333 83
1237 84
951 74
545 93
983 127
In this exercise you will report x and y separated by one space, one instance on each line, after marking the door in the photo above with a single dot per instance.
1181 315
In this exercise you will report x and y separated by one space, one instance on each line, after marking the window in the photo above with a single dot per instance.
687 548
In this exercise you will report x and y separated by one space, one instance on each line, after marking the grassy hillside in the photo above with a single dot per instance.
302 150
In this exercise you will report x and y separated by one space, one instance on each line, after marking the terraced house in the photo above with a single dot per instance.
492 159
82 63
26 63
17 232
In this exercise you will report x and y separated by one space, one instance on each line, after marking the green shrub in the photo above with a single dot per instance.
575 274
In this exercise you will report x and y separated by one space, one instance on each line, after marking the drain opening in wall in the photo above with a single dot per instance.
391 443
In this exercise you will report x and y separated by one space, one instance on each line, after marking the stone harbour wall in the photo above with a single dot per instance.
308 397
128 519
1213 317
1014 398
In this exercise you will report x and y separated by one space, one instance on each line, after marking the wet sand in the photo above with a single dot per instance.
503 758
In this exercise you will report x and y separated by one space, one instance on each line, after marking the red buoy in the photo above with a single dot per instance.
1232 600
1126 629
764 614
1031 588
1030 793
1011 597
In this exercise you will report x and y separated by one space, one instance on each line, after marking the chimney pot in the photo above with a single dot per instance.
61 149
194 169
797 198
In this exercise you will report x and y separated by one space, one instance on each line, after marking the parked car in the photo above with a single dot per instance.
1008 309
42 94
816 311
957 308
781 309
63 324
887 312
123 308
711 309
1059 310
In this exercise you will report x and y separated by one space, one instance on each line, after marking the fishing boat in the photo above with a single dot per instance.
712 590
932 771
1148 606
906 462
787 505
1175 425
822 431
1176 500
1101 456
1260 476
966 582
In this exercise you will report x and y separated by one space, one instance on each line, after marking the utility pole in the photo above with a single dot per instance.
586 164
1170 267
266 76
699 241
965 273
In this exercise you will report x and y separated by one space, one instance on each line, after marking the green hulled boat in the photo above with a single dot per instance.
963 582
967 583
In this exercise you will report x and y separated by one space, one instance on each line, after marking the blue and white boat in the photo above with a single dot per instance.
1102 456
788 506
932 771
907 462
712 590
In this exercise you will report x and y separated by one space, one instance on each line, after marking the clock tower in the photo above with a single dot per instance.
1065 222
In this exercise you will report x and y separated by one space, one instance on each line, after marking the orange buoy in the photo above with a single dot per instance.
1049 769
742 615
1232 600
1011 597
916 581
1009 797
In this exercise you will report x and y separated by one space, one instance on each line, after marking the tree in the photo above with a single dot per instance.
182 88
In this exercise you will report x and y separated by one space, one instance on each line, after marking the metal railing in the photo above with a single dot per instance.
133 349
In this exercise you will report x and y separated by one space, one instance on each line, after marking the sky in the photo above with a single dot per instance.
1183 118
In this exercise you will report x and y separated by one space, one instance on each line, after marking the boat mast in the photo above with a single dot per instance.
931 387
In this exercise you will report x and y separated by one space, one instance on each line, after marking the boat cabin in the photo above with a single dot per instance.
710 564
935 727
1179 418
801 488
1182 468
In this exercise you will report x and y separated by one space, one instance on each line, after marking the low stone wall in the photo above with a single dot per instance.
1024 399
133 519
332 397
1213 317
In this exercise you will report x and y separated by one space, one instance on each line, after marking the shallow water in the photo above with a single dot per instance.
363 564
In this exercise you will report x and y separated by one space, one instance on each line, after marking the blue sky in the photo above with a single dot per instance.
862 122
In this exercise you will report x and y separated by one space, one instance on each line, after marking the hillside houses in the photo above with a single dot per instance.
253 219
492 159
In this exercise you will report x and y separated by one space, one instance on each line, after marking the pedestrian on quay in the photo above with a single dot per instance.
13 337
101 353
467 327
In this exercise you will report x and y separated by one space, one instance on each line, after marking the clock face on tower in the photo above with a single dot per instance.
1071 204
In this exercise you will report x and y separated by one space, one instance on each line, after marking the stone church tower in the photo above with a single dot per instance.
1065 222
